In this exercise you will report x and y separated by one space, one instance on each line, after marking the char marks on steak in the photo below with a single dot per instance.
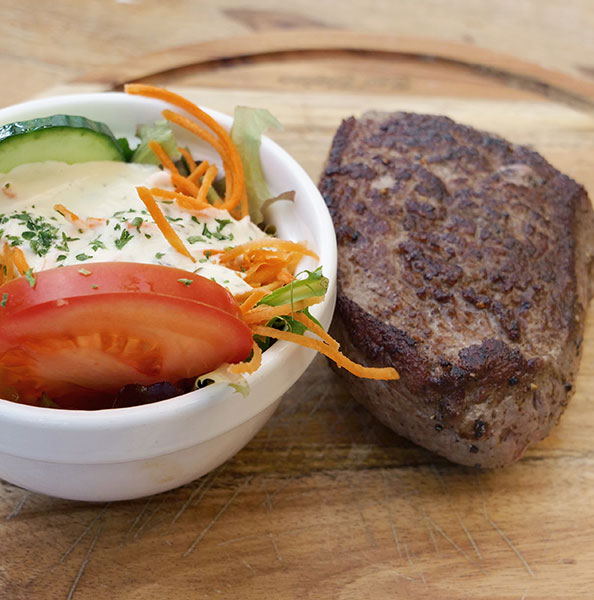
464 263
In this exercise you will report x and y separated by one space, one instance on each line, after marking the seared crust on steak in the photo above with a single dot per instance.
464 262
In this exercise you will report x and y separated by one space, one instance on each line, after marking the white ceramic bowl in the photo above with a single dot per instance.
131 452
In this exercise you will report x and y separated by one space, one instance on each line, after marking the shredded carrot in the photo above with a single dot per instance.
8 192
183 200
253 299
316 329
197 173
263 313
7 264
225 147
244 209
20 262
77 221
184 185
163 157
231 179
250 366
194 128
275 243
162 223
332 353
69 215
207 180
188 158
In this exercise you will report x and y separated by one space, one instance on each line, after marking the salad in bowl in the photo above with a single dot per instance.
166 273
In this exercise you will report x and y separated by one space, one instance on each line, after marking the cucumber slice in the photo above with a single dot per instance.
65 138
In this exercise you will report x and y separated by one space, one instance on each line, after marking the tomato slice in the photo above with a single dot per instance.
109 277
80 345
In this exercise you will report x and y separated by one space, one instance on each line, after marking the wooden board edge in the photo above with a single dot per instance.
510 70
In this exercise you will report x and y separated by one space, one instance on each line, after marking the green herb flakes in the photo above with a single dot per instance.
124 238
186 282
31 277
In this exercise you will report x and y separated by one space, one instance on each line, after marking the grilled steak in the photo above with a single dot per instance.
464 263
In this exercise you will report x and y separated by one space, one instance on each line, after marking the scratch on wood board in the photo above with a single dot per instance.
204 486
274 545
507 540
433 540
366 526
84 563
470 538
446 491
414 565
247 564
221 512
86 530
445 535
391 515
260 535
144 524
137 519
268 500
19 506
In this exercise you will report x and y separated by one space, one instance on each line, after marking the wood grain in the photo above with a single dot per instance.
272 45
326 503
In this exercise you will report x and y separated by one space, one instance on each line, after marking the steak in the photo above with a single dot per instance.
464 262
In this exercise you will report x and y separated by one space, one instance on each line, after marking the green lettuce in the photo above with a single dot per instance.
161 132
248 126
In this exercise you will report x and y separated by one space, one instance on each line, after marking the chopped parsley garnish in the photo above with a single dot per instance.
83 256
193 239
222 223
137 222
124 238
84 272
159 255
96 244
186 282
37 231
63 246
31 277
4 300
218 233
61 257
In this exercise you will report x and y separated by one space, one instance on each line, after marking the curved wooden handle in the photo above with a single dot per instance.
510 70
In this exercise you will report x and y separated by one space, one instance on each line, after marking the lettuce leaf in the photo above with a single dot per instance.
161 132
222 375
248 126
313 284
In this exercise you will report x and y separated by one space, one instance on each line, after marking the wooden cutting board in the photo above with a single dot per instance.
325 502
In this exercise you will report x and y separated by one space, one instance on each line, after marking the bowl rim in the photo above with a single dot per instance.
23 420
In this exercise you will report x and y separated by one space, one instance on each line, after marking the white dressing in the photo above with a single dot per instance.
120 229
